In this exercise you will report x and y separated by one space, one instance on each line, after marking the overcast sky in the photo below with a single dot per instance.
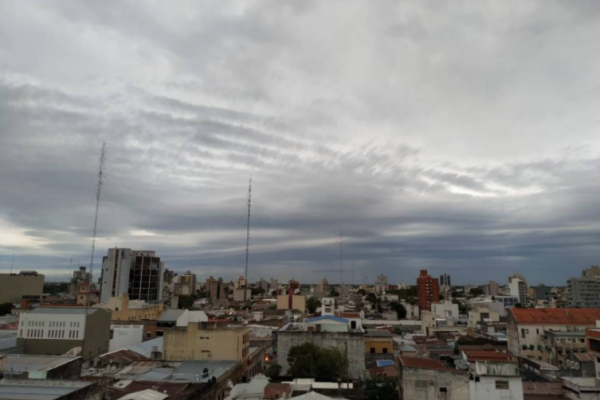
461 137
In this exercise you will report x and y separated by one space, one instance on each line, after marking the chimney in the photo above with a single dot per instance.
155 354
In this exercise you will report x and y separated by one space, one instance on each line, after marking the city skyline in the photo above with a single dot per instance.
469 151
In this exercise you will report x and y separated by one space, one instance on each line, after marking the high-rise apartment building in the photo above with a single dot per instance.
381 284
445 280
139 274
428 290
518 287
585 291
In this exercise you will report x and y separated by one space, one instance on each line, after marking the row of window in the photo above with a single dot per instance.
421 384
52 334
51 324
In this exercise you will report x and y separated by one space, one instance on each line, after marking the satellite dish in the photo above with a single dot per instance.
75 351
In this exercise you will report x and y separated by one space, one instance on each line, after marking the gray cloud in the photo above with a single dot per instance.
461 139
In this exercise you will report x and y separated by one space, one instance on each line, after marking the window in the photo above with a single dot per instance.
523 333
443 390
372 350
501 385
385 351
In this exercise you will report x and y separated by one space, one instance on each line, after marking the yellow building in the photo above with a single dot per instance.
123 309
298 302
206 341
378 342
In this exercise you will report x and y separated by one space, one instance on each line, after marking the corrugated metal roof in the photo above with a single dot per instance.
38 389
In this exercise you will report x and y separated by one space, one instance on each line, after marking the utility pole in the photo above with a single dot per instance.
248 238
12 263
98 193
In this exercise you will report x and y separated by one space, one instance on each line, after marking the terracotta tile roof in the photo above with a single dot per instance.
347 314
562 316
423 363
486 355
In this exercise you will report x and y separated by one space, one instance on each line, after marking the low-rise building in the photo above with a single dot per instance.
61 330
123 309
178 318
495 376
206 341
526 328
326 331
13 287
558 345
11 389
378 341
424 378
27 366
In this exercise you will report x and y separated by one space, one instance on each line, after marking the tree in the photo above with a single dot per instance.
273 371
256 291
362 292
56 287
381 389
185 302
332 292
5 309
474 292
399 309
310 361
312 304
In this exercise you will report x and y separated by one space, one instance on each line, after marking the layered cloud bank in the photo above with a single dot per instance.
463 140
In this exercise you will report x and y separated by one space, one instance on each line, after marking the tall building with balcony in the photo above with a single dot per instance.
428 291
585 291
139 274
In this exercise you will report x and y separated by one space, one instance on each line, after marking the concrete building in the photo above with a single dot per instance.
123 309
526 328
328 306
495 376
592 337
186 284
482 314
206 341
428 291
217 289
558 345
123 336
381 284
424 378
585 291
378 341
518 287
327 332
13 287
80 277
446 310
137 273
492 289
60 330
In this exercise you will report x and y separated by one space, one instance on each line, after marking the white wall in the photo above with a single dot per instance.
52 326
125 336
486 388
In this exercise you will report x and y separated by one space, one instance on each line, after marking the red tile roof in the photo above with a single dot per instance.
486 355
561 316
423 363
347 314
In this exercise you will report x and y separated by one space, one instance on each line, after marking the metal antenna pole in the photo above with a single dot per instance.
12 263
248 238
341 259
98 193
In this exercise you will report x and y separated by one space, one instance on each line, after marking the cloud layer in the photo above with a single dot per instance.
459 138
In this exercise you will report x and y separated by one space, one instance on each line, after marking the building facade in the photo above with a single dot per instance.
139 274
527 328
206 341
428 291
585 290
59 330
13 287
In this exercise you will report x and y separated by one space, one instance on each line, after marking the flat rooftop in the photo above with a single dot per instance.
38 389
30 362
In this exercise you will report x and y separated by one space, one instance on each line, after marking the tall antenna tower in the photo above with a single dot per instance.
12 263
341 258
248 238
98 193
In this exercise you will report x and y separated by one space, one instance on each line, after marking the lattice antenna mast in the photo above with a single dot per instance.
248 237
98 193
341 259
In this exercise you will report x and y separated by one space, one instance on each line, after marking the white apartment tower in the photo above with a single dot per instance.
136 273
